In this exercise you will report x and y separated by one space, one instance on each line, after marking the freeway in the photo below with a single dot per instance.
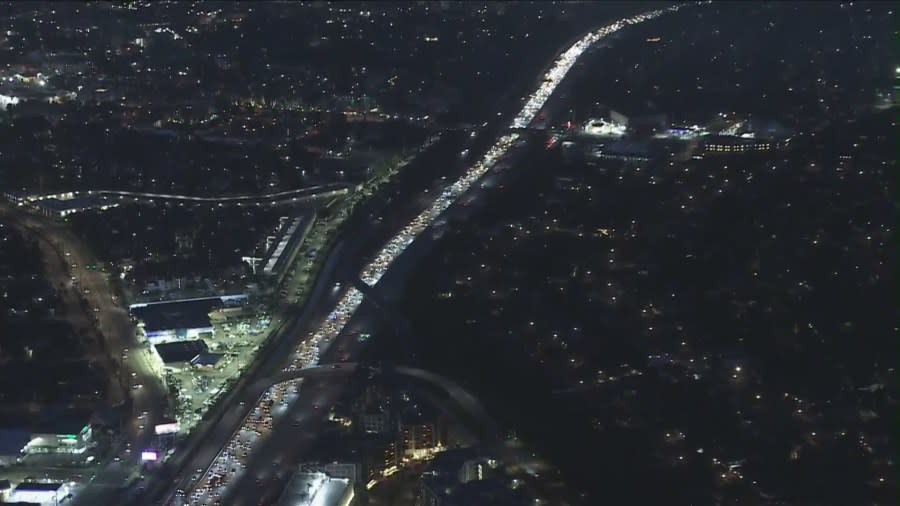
215 432
246 447
238 454
207 440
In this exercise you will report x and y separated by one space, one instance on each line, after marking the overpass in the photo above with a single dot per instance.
461 397
270 199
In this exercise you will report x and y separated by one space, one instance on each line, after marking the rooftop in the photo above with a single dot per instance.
191 314
181 351
37 487
314 489
207 358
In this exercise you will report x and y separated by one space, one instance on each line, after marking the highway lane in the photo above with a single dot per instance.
212 435
294 431
398 243
350 249
284 446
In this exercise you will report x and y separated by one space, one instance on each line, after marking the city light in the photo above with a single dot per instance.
232 459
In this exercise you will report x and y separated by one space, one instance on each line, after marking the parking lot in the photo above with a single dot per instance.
236 336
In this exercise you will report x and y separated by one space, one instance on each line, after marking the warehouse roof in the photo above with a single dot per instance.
181 351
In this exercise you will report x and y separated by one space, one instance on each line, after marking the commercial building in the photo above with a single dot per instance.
633 151
56 430
319 489
640 122
347 470
49 494
282 246
726 144
181 352
65 205
603 128
63 434
164 322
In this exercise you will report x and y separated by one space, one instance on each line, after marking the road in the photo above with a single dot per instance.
348 252
213 432
354 244
292 434
93 308
305 406
287 197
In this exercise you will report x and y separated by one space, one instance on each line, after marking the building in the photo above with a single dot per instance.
727 144
53 431
62 205
419 430
380 456
465 477
282 247
319 489
165 322
207 359
648 122
68 433
16 197
49 494
180 352
346 470
374 421
633 151
416 437
602 128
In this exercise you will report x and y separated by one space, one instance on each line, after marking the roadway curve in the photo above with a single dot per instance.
297 424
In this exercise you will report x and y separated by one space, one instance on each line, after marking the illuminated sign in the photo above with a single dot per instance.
166 428
149 456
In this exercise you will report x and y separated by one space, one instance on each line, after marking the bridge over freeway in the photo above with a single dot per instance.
461 397
269 199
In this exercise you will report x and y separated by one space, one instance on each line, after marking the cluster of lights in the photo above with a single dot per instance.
375 269
567 59
232 459
307 352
